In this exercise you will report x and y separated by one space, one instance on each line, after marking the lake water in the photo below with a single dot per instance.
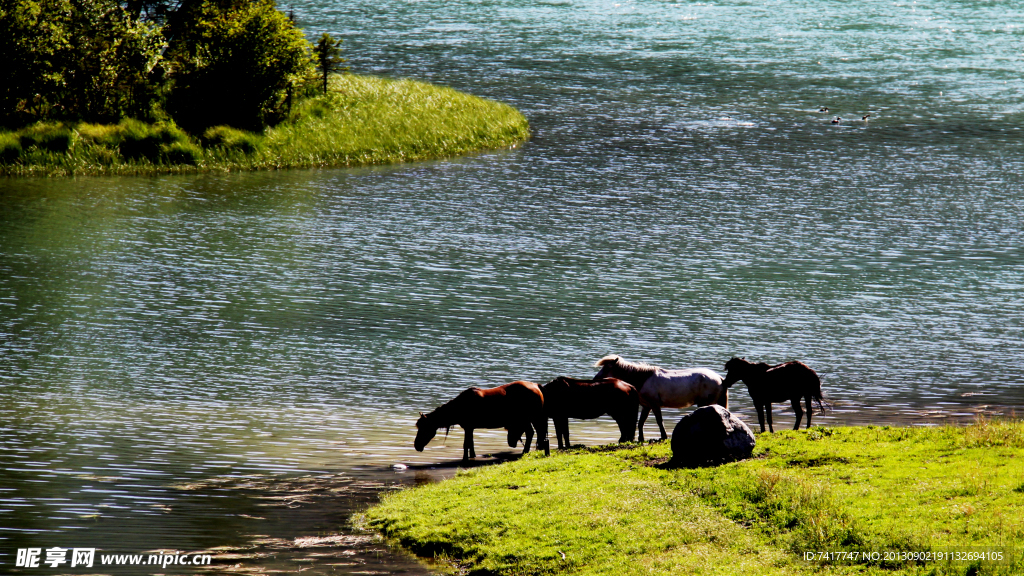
232 362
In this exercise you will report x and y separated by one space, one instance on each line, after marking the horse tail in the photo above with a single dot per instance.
817 394
629 413
722 396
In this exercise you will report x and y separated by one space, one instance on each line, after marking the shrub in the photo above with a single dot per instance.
49 137
10 148
138 140
231 139
101 134
181 153
141 140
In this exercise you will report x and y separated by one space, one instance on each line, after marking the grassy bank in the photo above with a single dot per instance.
362 120
871 489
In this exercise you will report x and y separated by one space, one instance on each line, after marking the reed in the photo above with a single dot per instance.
362 120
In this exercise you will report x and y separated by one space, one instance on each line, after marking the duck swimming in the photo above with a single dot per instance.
823 109
837 120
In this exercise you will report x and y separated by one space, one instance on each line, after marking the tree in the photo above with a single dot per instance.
75 60
29 38
327 56
207 62
230 62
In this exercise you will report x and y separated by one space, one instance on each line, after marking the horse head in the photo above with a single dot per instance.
614 366
560 383
607 366
425 432
736 370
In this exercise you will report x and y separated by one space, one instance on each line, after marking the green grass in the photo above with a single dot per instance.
362 120
623 511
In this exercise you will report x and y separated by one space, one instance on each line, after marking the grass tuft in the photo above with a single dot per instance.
231 139
47 137
10 148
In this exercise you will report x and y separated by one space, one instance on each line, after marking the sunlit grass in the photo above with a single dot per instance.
362 120
870 489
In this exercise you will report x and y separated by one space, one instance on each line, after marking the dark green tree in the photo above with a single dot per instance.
75 60
327 56
231 62
30 37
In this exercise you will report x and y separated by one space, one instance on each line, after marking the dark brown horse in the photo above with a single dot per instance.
517 407
769 384
566 398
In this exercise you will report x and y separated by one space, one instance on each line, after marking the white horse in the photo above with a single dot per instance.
669 388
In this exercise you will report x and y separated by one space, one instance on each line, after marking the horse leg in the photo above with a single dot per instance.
529 438
760 415
625 421
564 433
723 399
810 410
657 417
798 411
768 414
541 425
467 445
643 418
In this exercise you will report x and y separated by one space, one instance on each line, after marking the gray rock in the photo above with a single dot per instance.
710 435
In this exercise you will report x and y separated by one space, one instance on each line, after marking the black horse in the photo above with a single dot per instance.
769 384
566 398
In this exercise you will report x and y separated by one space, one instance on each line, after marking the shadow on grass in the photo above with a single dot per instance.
485 460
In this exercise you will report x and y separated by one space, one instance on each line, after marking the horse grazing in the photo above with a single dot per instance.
516 406
659 387
770 384
566 398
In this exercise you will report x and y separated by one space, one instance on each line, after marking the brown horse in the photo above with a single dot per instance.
566 398
516 406
769 384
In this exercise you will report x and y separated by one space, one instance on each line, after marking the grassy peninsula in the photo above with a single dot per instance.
623 511
361 120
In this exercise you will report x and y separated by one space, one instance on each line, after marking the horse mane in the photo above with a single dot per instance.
442 416
624 365
745 364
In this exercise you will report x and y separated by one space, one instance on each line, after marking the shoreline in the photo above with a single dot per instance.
362 121
853 489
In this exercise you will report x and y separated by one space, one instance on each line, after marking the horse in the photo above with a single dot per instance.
770 384
659 387
517 406
566 398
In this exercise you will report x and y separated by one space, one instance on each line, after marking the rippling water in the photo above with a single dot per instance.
166 340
